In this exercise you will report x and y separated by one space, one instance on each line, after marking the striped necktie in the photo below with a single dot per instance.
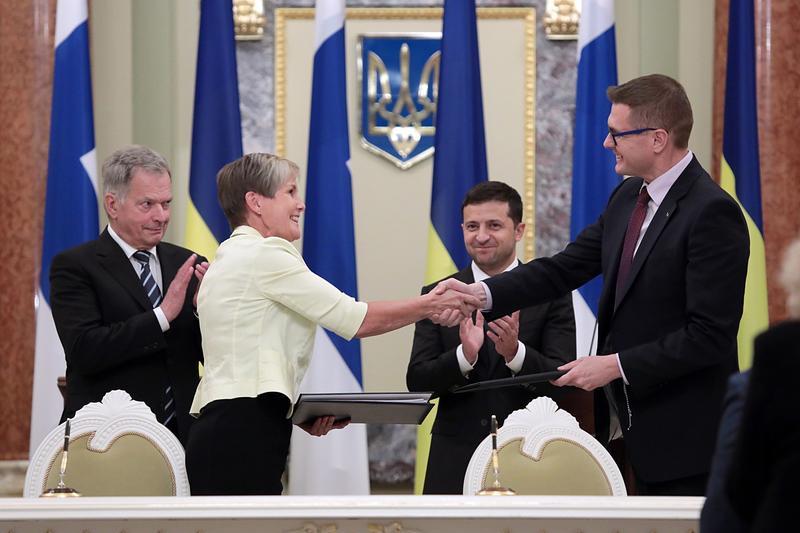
154 295
147 279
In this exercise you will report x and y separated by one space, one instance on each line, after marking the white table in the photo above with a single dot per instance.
372 514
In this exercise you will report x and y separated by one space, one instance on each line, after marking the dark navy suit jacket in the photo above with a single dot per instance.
674 324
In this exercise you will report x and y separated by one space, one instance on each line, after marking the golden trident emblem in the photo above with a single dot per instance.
404 127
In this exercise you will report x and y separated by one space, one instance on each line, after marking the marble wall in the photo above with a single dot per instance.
25 81
392 448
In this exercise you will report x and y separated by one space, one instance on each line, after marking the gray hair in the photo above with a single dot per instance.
119 167
258 172
790 278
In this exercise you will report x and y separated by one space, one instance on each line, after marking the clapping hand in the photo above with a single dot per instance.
471 335
173 300
504 332
200 270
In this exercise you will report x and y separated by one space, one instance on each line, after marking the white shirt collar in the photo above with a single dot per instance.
480 275
127 248
659 187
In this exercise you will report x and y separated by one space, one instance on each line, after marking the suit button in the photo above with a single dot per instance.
484 422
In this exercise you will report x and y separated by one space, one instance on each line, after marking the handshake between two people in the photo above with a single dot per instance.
455 300
448 304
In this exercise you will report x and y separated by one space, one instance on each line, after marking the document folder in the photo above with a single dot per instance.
510 382
365 407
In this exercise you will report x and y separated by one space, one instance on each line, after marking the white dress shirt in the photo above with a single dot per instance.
155 270
515 365
658 189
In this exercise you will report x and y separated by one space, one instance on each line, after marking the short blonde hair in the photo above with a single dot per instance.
790 278
257 172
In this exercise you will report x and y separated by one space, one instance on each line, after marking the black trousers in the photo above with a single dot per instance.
447 463
687 486
239 446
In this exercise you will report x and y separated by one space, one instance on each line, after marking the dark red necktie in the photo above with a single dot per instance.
631 238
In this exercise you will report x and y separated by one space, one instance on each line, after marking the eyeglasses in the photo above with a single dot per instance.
614 135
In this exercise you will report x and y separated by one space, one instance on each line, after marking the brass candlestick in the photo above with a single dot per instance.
61 490
496 489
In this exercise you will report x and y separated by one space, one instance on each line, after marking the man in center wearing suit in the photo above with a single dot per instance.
535 339
672 247
123 303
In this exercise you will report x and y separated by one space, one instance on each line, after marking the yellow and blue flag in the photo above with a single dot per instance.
459 162
337 464
740 174
593 176
216 130
70 216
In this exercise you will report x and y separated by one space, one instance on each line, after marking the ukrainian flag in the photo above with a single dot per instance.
216 130
740 175
459 161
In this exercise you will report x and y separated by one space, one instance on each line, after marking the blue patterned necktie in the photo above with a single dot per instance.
147 279
154 295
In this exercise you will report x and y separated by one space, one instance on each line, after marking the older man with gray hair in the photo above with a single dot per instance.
120 301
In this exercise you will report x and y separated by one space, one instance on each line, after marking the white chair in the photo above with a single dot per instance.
117 448
542 450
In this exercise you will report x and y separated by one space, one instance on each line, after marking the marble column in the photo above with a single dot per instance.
26 40
778 71
778 81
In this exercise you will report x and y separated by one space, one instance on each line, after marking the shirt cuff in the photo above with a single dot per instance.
463 364
622 372
515 365
488 305
162 319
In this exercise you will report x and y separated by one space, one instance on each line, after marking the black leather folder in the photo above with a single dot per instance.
365 407
527 379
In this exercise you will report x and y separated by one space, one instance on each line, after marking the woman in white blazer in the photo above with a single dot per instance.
259 306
